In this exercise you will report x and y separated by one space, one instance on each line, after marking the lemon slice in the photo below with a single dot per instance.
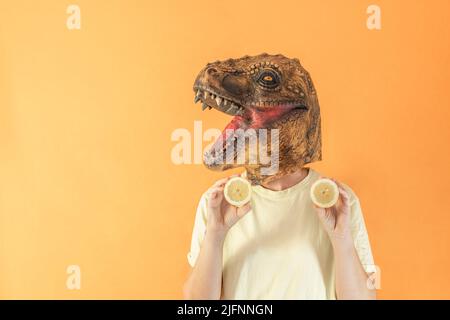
324 193
237 191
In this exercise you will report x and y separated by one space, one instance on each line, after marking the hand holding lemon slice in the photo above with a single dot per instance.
324 193
237 191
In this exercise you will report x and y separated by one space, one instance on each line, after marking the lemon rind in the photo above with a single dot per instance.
330 203
237 203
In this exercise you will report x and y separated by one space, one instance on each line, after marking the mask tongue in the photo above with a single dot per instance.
259 118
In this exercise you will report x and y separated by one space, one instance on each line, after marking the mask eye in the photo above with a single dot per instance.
268 79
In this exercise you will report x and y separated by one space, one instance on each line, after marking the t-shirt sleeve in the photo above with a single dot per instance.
198 232
360 236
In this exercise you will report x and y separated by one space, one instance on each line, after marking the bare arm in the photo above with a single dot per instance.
205 279
351 278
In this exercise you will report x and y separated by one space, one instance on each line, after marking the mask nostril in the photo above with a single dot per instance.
211 70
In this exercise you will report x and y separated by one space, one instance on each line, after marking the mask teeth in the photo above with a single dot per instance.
222 103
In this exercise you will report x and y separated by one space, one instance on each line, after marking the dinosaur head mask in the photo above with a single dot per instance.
262 92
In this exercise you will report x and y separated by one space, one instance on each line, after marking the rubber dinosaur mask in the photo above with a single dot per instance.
262 92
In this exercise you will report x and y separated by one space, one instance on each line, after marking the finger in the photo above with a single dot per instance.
341 187
220 182
319 210
342 190
215 194
326 216
344 198
345 203
216 190
343 193
243 210
316 207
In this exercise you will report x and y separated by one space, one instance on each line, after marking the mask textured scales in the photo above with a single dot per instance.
262 92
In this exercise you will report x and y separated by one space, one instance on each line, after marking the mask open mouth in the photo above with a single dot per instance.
226 148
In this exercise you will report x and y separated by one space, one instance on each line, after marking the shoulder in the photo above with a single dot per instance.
204 198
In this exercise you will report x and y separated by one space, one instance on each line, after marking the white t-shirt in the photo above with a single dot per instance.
279 250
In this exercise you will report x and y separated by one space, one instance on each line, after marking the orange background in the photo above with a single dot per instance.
86 118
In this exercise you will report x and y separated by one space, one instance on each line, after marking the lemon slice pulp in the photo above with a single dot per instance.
237 191
324 193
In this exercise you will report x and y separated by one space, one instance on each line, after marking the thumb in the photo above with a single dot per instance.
321 212
243 210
